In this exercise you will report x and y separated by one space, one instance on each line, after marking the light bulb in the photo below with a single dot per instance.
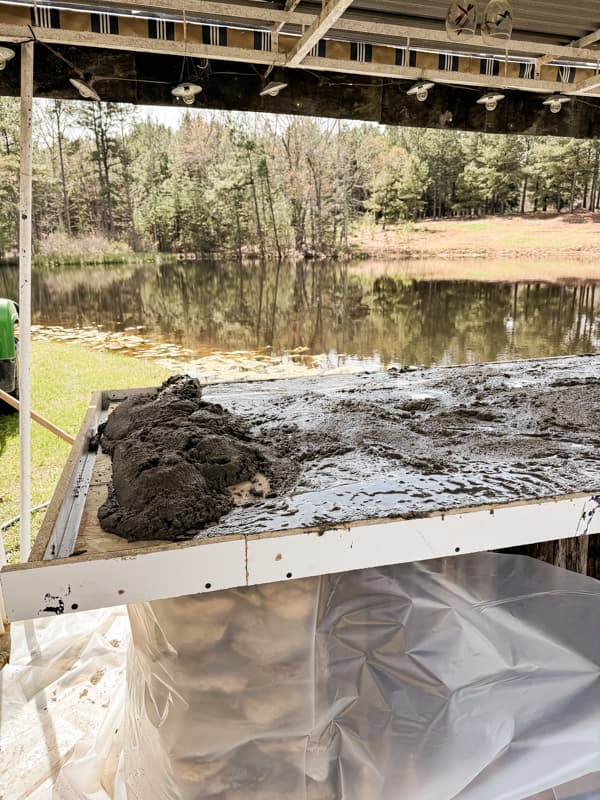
490 100
5 56
186 92
273 88
420 90
85 89
556 102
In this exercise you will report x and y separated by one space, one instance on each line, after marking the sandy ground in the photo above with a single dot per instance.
573 236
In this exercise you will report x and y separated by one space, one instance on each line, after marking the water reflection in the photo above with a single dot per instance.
336 312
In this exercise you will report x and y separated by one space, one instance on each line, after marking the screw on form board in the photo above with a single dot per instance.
590 508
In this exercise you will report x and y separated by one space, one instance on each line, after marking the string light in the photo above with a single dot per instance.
5 56
86 90
186 92
273 88
420 90
556 102
490 100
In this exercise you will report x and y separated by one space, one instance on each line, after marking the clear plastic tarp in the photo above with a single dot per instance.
470 678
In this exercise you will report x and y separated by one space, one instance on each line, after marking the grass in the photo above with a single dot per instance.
63 377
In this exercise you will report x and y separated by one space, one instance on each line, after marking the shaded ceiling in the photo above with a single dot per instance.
380 47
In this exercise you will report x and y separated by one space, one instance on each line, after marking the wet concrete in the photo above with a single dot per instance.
173 457
407 443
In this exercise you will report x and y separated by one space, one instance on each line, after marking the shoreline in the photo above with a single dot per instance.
573 237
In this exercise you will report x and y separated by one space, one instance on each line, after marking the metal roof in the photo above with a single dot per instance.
550 20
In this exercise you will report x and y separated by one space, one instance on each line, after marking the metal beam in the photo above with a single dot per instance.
328 16
25 211
81 583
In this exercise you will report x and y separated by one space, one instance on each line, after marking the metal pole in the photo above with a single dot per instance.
25 296
3 619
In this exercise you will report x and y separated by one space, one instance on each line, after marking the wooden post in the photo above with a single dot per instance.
25 295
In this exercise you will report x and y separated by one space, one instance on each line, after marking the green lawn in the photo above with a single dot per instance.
63 377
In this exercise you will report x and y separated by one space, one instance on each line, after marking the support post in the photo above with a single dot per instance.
25 295
3 620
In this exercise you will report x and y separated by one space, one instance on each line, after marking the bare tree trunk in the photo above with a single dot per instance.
572 194
270 199
259 229
238 231
594 189
63 177
524 193
318 227
102 148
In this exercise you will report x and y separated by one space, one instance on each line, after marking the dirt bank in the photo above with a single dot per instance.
568 236
355 447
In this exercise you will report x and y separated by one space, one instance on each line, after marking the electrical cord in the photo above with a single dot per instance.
13 520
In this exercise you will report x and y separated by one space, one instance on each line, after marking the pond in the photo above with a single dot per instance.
324 315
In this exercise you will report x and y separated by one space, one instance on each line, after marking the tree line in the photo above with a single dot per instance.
268 186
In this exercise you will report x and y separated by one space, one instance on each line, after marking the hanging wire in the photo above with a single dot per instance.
191 70
13 520
579 99
62 58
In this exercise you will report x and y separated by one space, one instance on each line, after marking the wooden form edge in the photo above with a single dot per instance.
244 565
97 581
99 401
67 478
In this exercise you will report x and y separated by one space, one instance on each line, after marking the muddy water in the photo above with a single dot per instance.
219 319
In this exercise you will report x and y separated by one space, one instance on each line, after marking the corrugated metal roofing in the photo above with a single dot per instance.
534 20
554 18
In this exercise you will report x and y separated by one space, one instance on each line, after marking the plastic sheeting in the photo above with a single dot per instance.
61 707
466 678
474 678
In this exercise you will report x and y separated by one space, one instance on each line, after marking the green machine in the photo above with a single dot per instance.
9 348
